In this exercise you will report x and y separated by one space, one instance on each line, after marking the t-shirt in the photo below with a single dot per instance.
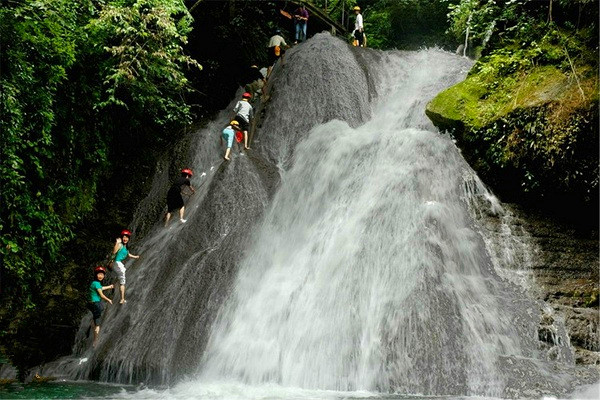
358 24
277 40
244 110
301 13
122 253
179 183
94 296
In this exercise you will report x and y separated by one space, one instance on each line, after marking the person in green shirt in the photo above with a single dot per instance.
96 297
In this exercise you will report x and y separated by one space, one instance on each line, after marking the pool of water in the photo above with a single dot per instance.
89 390
64 390
221 391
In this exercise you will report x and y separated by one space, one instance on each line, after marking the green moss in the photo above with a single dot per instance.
482 98
459 103
527 121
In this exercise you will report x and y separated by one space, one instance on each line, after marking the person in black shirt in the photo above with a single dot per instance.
174 198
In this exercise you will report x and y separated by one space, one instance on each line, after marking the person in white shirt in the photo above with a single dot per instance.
276 49
243 114
358 27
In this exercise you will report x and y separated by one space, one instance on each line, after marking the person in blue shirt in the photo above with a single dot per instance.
228 135
96 296
121 253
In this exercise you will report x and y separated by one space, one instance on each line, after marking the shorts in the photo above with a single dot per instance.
174 200
359 36
243 123
120 269
96 308
228 137
272 56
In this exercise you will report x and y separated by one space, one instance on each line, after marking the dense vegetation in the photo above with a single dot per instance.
82 83
527 115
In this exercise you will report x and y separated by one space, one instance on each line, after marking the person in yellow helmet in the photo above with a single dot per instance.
229 134
359 27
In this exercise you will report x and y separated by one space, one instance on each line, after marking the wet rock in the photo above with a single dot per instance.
566 276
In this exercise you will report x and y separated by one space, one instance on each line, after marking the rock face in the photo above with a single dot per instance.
566 273
530 130
563 272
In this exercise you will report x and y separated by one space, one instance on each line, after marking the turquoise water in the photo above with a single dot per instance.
63 390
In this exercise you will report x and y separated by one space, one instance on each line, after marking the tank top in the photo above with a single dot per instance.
122 253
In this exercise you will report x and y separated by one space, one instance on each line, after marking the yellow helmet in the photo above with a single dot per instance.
356 8
234 122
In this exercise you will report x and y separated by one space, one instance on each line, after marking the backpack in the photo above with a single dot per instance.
239 136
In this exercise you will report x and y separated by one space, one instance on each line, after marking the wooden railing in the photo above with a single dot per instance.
315 12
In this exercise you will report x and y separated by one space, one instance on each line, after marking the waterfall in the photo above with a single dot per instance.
342 257
367 272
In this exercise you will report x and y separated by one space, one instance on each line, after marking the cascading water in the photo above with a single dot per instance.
366 272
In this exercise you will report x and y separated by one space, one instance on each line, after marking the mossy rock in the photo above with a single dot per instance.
527 129
471 104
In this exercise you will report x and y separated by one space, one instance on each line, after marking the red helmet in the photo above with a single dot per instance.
125 232
246 95
100 269
187 171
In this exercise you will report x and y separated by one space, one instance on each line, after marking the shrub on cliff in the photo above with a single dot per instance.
526 117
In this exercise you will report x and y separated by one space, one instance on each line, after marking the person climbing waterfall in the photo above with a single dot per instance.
276 49
120 253
243 114
174 198
253 81
228 135
300 23
359 34
96 296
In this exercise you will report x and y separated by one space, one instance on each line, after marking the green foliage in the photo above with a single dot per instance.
546 157
405 24
527 116
145 42
379 27
41 49
491 23
79 81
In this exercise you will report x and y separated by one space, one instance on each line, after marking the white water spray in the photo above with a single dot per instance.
367 272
